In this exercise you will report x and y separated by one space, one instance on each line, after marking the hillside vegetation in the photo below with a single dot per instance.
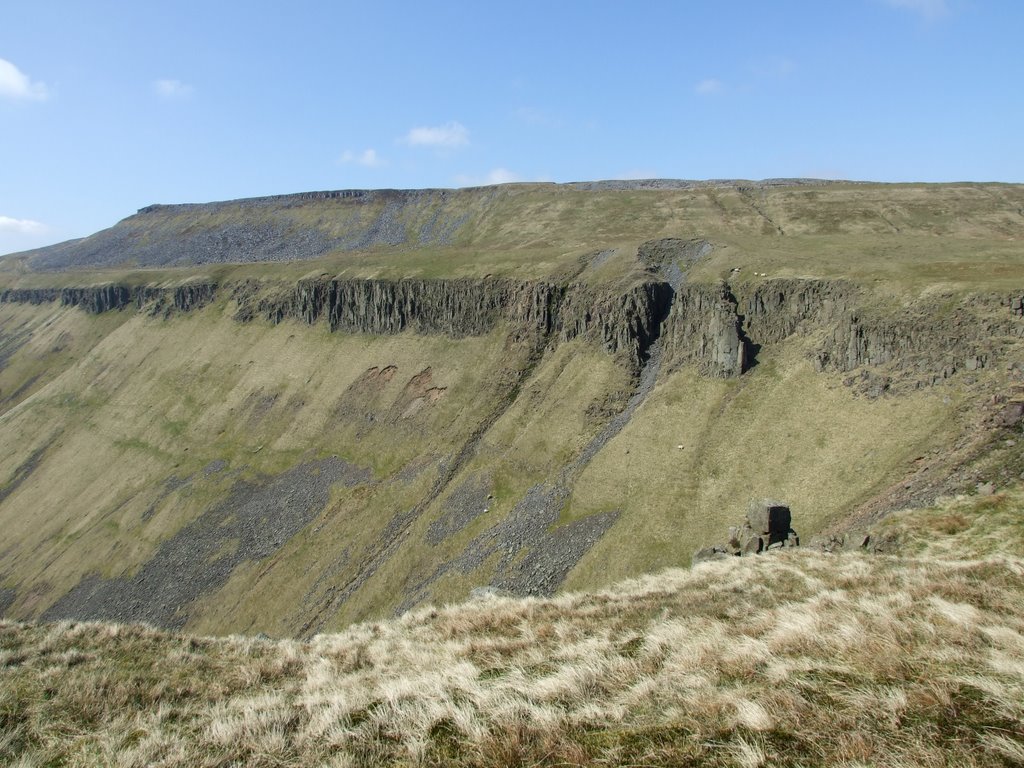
958 235
792 658
337 407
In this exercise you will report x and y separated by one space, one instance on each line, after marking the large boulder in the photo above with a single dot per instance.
770 518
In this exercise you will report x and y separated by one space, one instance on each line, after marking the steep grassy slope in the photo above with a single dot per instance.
790 658
548 395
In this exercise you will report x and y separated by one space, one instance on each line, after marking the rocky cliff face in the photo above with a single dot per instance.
923 344
710 326
104 298
772 310
704 328
29 295
624 322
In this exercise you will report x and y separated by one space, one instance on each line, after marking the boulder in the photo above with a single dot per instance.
766 527
771 518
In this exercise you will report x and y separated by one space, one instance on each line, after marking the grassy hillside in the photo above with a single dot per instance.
916 235
791 658
163 424
306 479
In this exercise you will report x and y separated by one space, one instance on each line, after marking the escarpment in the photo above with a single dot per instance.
925 344
112 296
719 328
624 322
29 295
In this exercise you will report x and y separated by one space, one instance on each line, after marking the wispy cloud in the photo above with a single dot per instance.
15 84
20 226
368 158
502 176
447 136
929 9
494 176
775 66
708 86
537 117
172 89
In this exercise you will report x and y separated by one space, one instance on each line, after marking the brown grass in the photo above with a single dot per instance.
797 658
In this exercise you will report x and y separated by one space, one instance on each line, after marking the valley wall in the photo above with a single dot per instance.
403 441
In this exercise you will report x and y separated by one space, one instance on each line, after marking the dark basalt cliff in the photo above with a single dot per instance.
104 298
623 322
715 327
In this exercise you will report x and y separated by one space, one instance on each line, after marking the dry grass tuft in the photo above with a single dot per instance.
797 658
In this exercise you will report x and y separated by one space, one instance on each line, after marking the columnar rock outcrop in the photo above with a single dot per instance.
716 327
924 345
29 295
104 298
624 321
704 328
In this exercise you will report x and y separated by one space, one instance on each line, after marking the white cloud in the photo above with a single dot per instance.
20 226
15 84
494 176
929 9
448 136
502 176
172 89
368 158
710 85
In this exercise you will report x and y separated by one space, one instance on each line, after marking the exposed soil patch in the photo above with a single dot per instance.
360 400
418 393
253 523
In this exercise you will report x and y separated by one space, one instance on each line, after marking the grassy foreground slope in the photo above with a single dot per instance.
792 658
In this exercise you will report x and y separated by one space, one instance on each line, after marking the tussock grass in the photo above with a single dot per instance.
795 658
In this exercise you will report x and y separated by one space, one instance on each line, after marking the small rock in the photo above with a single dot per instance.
986 489
704 554
856 540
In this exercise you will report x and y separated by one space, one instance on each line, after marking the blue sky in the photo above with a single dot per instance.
109 106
